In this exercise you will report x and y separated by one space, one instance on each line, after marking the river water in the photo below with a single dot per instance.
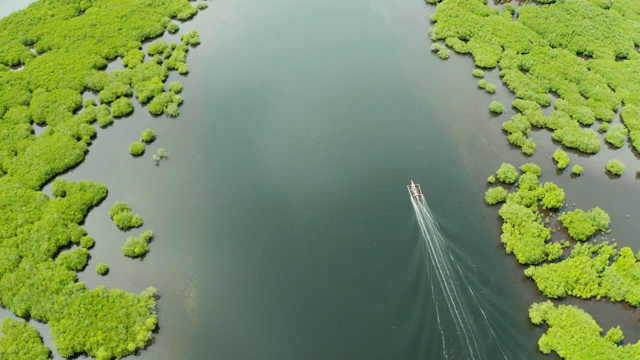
283 226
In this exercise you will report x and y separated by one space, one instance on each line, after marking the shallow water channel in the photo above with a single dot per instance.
283 226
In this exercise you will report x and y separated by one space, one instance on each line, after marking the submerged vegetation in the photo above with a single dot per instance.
63 49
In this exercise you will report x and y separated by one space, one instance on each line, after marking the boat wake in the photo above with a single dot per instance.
454 297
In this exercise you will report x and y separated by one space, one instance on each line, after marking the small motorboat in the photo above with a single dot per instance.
415 190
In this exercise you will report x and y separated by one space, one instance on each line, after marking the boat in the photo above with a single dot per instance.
415 190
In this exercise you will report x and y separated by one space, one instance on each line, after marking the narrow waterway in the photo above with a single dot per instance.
283 226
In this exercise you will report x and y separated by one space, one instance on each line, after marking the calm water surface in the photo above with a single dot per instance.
283 226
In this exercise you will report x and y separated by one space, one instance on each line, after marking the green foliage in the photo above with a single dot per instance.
577 170
551 196
492 179
531 168
495 195
444 53
20 341
202 5
175 87
157 48
617 135
190 38
136 148
147 136
121 107
122 215
102 269
87 242
487 86
173 28
579 275
523 231
137 246
496 107
574 334
615 167
507 173
561 158
588 58
582 225
74 41
478 73
75 259
166 102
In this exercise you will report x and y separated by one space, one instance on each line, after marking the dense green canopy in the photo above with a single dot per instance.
575 335
51 54
587 58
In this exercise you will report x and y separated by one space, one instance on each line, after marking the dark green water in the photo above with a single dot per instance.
283 226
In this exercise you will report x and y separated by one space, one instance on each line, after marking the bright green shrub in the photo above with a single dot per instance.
577 170
478 73
561 158
75 259
175 87
21 341
157 48
495 195
191 38
87 242
121 214
102 269
617 135
147 136
614 335
104 116
615 167
121 107
582 225
74 41
531 168
496 107
202 5
137 246
444 53
507 173
166 102
136 148
551 196
492 179
573 331
173 27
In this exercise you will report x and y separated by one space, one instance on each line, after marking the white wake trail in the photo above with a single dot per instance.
453 286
